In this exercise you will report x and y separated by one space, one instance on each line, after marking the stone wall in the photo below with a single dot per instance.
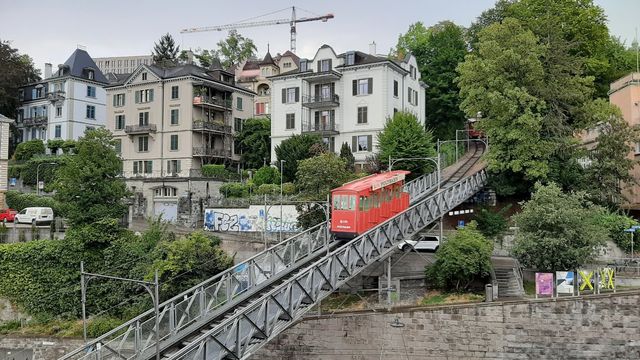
597 326
30 348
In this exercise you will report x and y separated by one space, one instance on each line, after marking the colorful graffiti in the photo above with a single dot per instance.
252 219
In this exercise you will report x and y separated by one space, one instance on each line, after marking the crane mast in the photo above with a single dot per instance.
292 23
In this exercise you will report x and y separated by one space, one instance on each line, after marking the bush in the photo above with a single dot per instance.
215 171
288 188
100 325
17 200
462 259
234 190
15 170
47 172
54 145
69 146
268 189
616 224
492 224
28 149
266 175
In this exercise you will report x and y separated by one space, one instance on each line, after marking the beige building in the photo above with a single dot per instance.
625 93
167 123
122 64
5 123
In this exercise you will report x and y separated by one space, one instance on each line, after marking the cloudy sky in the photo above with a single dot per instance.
49 31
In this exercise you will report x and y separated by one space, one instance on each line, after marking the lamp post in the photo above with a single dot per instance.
38 175
281 165
632 230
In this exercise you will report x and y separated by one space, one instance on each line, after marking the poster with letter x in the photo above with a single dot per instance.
586 281
606 279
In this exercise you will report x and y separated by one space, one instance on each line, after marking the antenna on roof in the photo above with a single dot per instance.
82 47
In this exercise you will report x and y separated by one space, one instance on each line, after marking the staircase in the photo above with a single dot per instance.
507 273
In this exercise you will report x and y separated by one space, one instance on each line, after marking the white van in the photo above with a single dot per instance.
34 215
423 243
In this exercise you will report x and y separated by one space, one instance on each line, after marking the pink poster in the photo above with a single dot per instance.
544 284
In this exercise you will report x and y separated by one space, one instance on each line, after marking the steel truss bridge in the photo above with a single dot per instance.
233 314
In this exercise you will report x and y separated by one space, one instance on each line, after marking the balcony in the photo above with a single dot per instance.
321 101
56 96
321 76
201 125
213 102
320 128
140 129
200 151
36 121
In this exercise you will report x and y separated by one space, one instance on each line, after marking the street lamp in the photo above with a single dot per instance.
435 161
38 175
632 230
281 163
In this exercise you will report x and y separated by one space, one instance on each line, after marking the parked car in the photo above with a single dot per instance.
7 215
34 215
423 243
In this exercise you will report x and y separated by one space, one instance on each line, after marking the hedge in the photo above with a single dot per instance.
268 189
234 190
17 200
47 172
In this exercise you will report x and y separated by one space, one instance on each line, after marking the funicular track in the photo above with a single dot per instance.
189 320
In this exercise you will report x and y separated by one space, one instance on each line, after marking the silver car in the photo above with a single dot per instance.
423 243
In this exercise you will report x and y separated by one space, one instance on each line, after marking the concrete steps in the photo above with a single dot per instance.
509 285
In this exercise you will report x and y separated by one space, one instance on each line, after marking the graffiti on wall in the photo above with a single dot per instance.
252 219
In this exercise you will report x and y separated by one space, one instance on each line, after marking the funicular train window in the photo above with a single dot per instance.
361 204
352 202
344 202
336 202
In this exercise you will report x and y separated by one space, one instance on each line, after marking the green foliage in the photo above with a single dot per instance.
48 168
69 146
89 183
28 149
17 69
462 259
15 170
54 145
102 324
255 142
615 225
215 171
288 189
17 200
310 215
318 175
165 50
404 137
234 49
194 257
558 231
438 51
347 156
492 224
268 189
234 190
294 149
266 175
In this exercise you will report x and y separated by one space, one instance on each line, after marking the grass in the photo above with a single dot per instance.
529 287
338 301
438 298
60 328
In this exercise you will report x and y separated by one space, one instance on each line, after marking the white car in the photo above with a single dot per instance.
423 243
34 215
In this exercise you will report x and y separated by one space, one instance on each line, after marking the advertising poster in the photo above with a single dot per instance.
544 284
565 283
607 279
586 281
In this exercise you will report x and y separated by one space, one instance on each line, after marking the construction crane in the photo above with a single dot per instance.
292 22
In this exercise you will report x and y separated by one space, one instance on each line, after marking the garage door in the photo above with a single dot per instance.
168 210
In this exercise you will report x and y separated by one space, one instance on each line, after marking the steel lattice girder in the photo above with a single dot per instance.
247 330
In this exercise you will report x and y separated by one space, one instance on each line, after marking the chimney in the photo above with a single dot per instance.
47 70
189 56
372 48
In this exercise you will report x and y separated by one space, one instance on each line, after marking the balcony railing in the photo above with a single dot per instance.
201 125
36 120
318 101
55 96
325 127
203 151
140 129
213 101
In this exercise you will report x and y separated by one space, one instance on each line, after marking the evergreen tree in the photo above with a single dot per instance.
347 156
166 50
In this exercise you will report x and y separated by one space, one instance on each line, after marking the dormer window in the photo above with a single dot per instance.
303 65
144 76
90 74
324 65
351 58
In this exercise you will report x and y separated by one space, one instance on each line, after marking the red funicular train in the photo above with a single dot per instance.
359 205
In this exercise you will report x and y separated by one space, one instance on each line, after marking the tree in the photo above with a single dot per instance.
89 184
28 149
347 156
557 230
404 137
496 14
165 50
438 51
231 51
255 142
54 145
464 258
610 166
266 175
17 70
317 176
293 149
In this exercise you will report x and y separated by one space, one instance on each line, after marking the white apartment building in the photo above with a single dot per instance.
344 98
65 103
122 64
167 123
5 124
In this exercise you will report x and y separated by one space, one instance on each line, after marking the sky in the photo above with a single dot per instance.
50 31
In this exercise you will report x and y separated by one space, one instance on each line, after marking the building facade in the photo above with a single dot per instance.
5 124
344 98
122 64
65 103
167 123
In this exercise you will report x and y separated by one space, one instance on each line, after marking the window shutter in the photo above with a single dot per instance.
114 100
355 87
317 90
169 166
284 96
135 167
354 143
332 116
370 85
177 165
317 116
333 89
330 67
137 97
369 140
319 66
297 94
150 95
